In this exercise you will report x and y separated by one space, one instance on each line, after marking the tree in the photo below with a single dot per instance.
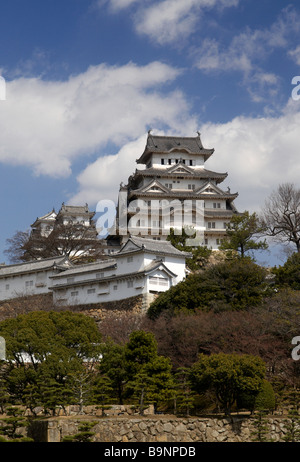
39 333
78 242
280 217
159 369
242 233
139 350
85 434
153 383
80 383
184 395
113 365
289 273
102 391
261 429
199 255
228 375
292 424
44 349
264 400
230 285
12 423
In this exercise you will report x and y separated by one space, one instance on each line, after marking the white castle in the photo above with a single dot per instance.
174 177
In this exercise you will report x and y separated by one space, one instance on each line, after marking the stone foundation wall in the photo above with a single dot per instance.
98 311
165 428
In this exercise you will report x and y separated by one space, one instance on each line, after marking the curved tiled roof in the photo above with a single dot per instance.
167 144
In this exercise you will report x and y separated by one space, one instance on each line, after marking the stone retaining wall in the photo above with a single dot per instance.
98 311
161 429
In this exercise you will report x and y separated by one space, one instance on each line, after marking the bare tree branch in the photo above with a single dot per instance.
281 215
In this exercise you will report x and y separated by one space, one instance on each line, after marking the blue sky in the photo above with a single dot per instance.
86 80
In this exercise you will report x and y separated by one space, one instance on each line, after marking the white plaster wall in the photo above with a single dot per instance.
15 286
198 161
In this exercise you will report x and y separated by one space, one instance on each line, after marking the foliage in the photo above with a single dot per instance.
102 391
149 375
184 395
84 436
231 285
153 383
44 349
292 423
199 255
228 376
139 350
13 423
242 233
261 430
289 273
158 364
40 333
113 365
264 400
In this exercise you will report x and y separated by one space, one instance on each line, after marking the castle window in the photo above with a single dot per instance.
162 161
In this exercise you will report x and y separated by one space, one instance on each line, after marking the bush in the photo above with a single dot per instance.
264 400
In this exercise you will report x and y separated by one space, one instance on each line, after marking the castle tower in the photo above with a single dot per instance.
175 190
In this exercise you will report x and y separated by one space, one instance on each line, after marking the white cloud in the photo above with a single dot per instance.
170 21
101 179
248 48
47 124
248 52
257 153
295 55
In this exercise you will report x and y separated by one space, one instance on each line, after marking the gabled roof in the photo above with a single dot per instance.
34 266
49 217
153 266
102 265
167 144
182 170
213 190
138 244
153 184
71 210
158 265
